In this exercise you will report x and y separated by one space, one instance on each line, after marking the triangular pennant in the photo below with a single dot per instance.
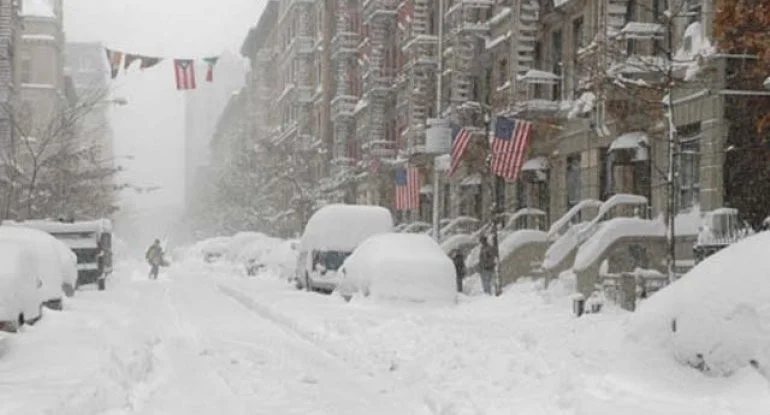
149 62
210 62
130 58
114 58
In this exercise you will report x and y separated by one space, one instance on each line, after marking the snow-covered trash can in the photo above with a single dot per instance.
578 304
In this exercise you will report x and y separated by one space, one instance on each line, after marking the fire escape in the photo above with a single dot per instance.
301 49
378 71
468 27
417 80
344 50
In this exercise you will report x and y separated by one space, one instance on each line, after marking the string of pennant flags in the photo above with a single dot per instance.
184 69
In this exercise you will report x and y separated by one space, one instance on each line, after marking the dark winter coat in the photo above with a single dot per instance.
459 261
154 255
487 258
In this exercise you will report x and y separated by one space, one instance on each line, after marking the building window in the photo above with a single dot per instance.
689 166
577 34
573 180
26 69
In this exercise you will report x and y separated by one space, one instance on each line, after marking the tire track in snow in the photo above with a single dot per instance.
430 404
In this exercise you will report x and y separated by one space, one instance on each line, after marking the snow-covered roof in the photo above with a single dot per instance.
630 141
539 163
38 8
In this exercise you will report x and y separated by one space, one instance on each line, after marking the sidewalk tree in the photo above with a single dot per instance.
741 30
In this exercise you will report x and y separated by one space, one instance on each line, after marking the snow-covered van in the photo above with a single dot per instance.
53 268
91 241
330 236
19 286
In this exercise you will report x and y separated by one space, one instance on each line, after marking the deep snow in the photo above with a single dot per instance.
207 340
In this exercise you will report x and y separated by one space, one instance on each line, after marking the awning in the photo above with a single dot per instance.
630 141
539 163
472 180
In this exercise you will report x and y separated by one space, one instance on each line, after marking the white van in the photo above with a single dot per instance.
330 236
56 270
20 286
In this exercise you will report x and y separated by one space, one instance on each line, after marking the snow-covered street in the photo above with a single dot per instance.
177 346
207 340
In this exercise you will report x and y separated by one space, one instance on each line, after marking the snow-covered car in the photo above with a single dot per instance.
19 286
282 259
211 250
400 266
330 236
252 256
54 267
717 316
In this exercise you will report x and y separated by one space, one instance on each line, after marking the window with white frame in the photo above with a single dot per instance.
689 166
573 180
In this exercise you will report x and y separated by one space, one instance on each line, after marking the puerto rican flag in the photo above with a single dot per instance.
185 74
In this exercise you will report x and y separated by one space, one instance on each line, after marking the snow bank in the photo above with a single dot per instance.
401 266
562 246
609 232
217 245
343 227
716 317
519 238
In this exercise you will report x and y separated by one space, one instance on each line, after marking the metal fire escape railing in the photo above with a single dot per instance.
468 24
344 49
380 16
303 96
525 20
419 71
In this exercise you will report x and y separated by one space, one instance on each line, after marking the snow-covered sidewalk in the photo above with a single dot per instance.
520 353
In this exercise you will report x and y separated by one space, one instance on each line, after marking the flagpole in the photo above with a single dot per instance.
439 86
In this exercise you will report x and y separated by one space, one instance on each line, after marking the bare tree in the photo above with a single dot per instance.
51 154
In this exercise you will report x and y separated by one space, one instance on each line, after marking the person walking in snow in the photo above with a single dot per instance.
487 263
154 257
459 261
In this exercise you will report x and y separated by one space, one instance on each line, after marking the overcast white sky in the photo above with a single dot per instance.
151 127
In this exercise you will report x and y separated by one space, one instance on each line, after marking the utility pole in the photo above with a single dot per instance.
497 182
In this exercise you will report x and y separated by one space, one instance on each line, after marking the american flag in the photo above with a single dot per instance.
461 139
509 147
408 188
185 74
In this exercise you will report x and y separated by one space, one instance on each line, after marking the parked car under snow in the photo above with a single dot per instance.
56 269
19 286
400 266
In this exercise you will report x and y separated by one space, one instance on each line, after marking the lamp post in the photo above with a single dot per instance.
438 134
